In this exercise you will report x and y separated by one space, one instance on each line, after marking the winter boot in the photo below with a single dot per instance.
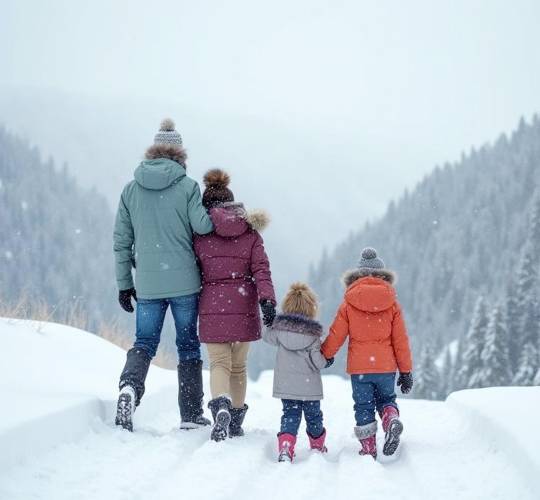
237 419
221 412
286 444
190 394
367 435
131 386
393 428
318 443
125 408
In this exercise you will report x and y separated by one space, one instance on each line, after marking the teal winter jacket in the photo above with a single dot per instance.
157 215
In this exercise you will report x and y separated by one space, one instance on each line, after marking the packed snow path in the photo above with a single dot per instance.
441 457
446 452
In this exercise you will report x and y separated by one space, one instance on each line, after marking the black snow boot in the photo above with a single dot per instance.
190 394
237 419
131 386
221 412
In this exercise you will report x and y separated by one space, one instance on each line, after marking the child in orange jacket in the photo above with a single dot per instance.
371 317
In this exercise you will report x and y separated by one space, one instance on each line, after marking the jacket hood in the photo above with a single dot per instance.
355 274
295 332
371 294
231 219
159 173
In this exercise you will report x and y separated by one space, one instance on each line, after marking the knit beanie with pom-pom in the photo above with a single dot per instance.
217 192
369 260
300 299
167 134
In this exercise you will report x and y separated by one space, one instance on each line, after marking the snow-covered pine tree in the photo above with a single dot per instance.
428 378
471 361
447 373
536 380
529 363
495 361
526 284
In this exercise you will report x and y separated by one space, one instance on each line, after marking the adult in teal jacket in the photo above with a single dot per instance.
158 213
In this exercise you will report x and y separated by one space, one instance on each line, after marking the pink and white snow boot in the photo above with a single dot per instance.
367 435
392 427
286 444
318 443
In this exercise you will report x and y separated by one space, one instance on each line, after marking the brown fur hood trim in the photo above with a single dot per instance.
258 219
174 153
355 274
296 323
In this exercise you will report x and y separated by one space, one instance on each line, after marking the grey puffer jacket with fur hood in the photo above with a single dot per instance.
298 360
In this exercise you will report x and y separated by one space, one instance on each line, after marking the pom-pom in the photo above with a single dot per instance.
167 125
216 178
369 253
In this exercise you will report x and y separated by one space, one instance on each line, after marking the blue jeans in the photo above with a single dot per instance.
292 416
150 318
372 391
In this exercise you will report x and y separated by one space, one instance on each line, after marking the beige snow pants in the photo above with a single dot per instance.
228 370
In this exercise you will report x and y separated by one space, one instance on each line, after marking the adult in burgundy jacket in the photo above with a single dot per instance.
236 280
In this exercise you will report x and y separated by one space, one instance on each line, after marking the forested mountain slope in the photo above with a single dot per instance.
55 237
458 235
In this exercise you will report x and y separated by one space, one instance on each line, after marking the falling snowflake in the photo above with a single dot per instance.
78 231
164 266
242 291
372 359
8 255
24 205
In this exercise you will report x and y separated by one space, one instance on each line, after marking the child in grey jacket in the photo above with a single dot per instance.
297 376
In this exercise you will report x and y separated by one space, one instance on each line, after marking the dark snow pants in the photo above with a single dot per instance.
292 416
372 391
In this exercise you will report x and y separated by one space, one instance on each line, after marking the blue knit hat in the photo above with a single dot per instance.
168 135
369 259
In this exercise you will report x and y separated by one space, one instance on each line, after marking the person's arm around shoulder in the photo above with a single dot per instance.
198 216
339 331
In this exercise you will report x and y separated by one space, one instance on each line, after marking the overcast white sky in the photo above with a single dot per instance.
382 64
395 86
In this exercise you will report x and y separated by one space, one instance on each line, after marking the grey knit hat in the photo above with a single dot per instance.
369 259
167 134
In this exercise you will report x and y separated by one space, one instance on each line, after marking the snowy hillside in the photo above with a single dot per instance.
57 440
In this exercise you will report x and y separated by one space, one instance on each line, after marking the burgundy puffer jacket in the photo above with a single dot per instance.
235 275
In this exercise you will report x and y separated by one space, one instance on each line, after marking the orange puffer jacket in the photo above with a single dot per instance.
371 317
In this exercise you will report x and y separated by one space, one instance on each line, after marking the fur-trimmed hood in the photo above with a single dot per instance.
169 151
258 219
231 219
296 323
355 274
296 332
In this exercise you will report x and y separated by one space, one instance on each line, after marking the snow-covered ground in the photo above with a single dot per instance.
58 441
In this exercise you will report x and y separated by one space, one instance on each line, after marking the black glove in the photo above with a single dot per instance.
269 312
405 382
329 362
124 297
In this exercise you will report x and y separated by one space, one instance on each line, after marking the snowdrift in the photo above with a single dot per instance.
58 441
55 380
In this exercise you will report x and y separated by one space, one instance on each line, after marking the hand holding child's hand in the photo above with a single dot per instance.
405 382
329 362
